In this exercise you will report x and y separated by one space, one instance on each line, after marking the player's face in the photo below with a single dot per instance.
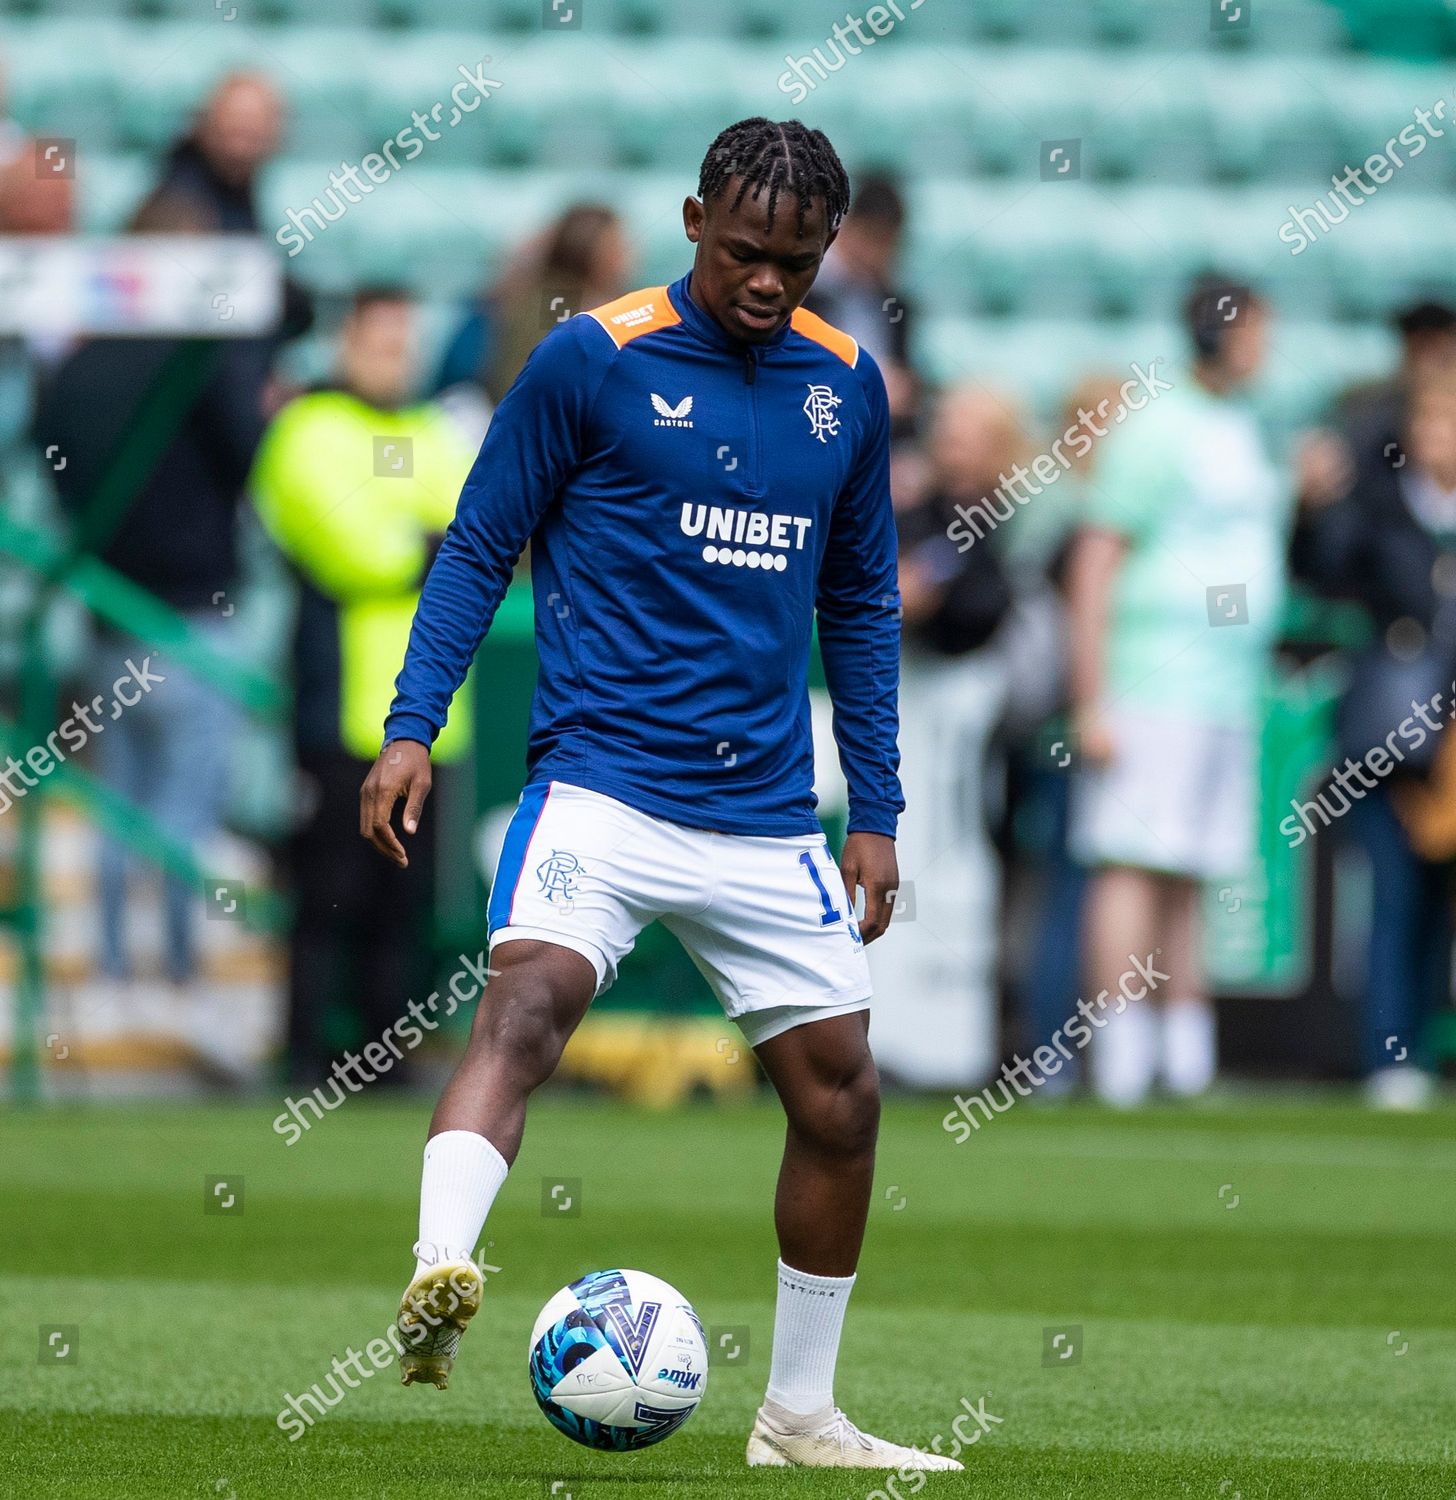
748 274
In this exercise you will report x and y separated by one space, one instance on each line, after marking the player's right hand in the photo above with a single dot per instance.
402 770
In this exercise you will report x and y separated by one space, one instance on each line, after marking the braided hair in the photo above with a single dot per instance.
778 156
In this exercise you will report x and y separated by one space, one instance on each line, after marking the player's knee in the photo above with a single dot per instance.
841 1115
861 1110
516 1030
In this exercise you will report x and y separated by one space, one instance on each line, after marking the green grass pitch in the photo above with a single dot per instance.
1260 1299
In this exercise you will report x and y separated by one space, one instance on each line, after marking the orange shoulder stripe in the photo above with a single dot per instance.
635 314
812 326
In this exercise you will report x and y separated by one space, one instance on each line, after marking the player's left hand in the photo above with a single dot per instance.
869 861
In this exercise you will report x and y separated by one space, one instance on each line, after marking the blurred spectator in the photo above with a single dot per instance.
581 261
934 970
356 484
1041 779
34 199
1390 544
214 169
955 597
215 166
160 506
1371 418
1184 533
858 289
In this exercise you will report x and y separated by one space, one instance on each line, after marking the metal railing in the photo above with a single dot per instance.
70 567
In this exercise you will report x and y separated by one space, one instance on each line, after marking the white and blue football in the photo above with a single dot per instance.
618 1360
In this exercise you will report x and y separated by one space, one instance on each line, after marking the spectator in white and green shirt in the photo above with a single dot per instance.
1175 585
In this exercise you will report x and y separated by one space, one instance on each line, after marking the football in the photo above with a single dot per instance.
618 1360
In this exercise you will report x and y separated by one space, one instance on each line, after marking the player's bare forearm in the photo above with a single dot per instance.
869 863
402 770
1096 559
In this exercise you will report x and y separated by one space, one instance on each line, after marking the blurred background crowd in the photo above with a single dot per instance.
1176 506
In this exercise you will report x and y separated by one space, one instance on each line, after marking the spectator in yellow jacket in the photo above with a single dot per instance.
356 484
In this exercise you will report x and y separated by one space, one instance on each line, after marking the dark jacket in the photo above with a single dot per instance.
227 208
1370 547
976 593
176 536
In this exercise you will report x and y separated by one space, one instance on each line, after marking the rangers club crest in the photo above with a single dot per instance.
819 407
558 876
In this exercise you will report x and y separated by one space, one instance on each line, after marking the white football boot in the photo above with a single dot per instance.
433 1313
831 1441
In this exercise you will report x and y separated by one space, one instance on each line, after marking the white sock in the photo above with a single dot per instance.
1190 1048
808 1318
462 1174
1125 1057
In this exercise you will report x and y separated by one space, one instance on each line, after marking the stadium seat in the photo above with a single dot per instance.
1190 152
1375 105
1310 363
1400 28
62 79
108 189
305 13
1383 255
516 17
1264 117
1015 354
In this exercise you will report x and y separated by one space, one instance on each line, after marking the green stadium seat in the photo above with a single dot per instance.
315 69
1389 251
487 17
1142 26
1311 362
662 112
1377 104
1194 146
108 189
62 79
306 13
105 12
1418 29
1038 359
1264 117
655 19
423 71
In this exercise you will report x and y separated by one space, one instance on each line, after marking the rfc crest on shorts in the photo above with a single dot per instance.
764 919
819 407
557 874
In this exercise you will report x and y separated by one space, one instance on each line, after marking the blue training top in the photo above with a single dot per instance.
691 501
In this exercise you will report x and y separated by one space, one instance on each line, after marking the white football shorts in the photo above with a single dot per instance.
1177 797
764 919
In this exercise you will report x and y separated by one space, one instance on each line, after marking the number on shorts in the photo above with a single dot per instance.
829 912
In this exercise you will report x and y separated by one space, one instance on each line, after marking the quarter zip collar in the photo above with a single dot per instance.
707 328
